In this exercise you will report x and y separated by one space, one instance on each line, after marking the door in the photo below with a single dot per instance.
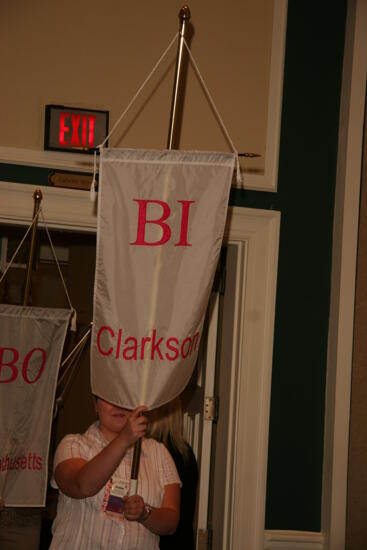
209 421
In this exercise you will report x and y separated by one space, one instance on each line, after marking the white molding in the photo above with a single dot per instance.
268 181
62 208
76 162
340 343
293 540
257 233
230 476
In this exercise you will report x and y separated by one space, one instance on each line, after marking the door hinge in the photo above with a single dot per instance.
211 408
205 539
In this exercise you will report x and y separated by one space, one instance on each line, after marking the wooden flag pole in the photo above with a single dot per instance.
37 196
184 17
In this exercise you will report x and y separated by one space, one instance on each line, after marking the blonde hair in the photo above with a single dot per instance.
166 425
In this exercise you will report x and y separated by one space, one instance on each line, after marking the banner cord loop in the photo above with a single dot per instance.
139 90
132 101
101 145
219 118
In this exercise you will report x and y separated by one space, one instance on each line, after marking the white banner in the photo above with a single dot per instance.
31 343
161 218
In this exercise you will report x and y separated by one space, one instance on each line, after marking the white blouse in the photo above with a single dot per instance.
81 523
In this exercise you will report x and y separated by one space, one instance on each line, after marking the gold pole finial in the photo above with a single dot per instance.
37 195
184 14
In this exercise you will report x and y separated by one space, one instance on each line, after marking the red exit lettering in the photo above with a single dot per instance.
76 130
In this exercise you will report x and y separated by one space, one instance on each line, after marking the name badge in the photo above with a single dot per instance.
117 488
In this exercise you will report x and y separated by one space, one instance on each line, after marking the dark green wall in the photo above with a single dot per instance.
307 171
305 197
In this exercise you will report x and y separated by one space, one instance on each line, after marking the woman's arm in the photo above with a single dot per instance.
161 521
78 478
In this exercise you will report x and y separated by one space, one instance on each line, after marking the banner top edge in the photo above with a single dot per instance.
167 155
34 311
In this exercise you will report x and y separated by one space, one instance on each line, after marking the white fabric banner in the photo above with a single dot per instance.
161 218
31 343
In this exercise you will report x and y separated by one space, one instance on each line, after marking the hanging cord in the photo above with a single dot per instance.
73 319
74 351
220 120
74 364
19 246
140 89
93 185
74 357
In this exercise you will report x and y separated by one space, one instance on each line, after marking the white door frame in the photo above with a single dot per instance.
340 345
256 233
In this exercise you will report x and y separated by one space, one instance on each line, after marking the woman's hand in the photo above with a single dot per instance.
136 425
134 508
161 521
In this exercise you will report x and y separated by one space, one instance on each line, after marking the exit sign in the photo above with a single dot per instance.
74 130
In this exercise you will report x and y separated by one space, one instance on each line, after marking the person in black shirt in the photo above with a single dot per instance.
167 427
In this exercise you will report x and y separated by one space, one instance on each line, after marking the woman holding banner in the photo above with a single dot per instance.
92 473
